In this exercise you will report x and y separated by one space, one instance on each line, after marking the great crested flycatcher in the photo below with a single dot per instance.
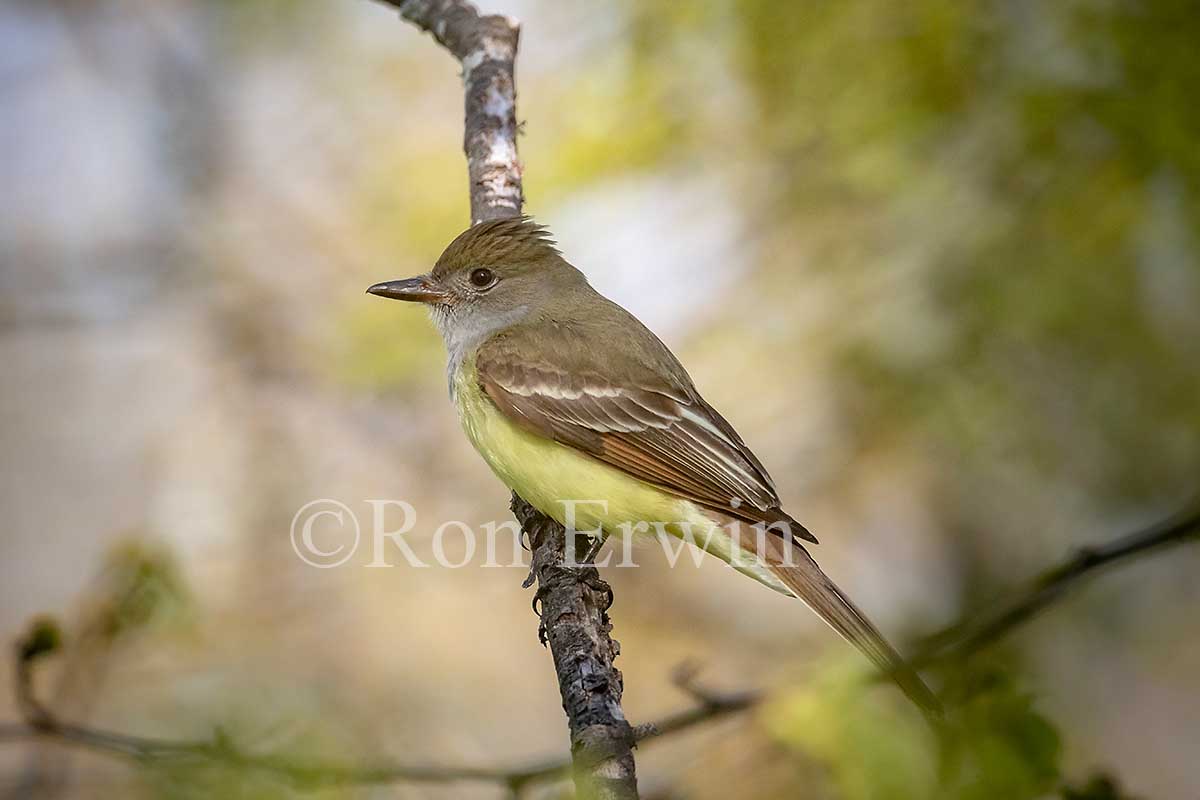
569 398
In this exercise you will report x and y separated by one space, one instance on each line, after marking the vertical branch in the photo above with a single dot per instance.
574 601
486 47
574 611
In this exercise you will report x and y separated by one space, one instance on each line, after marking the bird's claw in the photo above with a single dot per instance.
583 576
600 587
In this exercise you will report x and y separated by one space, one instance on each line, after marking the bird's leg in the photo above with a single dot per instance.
594 545
582 571
586 576
589 575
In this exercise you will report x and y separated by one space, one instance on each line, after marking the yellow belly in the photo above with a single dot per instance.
560 482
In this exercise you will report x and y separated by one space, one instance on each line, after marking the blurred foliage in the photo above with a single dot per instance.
1036 162
310 740
595 140
248 27
43 637
874 750
993 744
1098 787
384 351
200 780
996 744
377 349
141 586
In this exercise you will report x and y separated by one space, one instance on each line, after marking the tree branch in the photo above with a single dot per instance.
40 722
574 621
574 602
486 47
975 632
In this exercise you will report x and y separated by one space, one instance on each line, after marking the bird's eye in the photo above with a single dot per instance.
482 278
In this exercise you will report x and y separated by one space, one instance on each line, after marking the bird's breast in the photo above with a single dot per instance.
554 478
578 491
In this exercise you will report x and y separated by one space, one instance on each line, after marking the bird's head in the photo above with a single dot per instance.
491 275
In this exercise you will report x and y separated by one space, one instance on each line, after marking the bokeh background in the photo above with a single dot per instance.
938 261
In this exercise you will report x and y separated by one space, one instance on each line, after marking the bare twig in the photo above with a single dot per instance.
41 723
974 632
709 705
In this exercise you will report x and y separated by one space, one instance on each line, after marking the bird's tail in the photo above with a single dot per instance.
801 574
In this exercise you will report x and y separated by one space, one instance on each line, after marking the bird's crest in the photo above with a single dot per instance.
511 240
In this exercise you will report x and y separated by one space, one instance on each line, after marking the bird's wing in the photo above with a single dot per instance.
653 428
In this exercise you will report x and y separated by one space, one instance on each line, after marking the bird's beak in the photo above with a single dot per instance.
419 290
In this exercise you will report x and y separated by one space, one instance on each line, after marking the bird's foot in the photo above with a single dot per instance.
593 549
585 575
598 585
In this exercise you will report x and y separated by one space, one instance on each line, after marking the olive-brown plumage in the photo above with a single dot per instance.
562 363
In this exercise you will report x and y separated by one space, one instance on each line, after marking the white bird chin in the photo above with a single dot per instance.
466 326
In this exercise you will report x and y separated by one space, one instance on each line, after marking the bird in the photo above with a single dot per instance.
576 405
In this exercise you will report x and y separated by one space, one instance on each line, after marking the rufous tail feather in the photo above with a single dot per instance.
797 570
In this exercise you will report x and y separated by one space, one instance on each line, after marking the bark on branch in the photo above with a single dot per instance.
574 602
574 622
486 47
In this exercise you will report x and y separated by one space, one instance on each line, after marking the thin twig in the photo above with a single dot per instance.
41 723
975 632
